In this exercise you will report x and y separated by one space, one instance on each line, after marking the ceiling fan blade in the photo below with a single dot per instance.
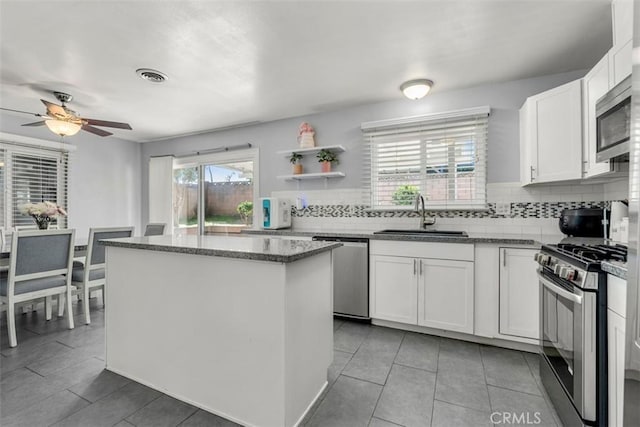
54 110
40 123
96 131
105 123
25 112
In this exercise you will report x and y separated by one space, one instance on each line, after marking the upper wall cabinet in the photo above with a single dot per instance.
551 135
620 53
595 84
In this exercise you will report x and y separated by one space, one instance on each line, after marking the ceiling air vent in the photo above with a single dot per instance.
153 76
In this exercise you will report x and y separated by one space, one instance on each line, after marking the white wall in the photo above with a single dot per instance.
104 179
343 127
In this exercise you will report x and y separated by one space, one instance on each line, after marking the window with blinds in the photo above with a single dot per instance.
31 175
441 156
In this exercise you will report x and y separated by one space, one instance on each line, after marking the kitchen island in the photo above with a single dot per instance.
238 326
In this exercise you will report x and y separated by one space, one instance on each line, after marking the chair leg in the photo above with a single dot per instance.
61 305
47 307
69 309
11 325
85 302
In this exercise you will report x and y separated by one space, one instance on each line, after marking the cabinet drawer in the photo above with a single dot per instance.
436 250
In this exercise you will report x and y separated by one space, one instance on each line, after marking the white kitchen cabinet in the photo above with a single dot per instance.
551 135
426 284
393 288
616 324
595 84
620 63
445 294
519 313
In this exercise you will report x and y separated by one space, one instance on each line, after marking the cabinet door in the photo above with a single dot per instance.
615 332
622 14
596 84
445 295
393 288
519 293
558 133
620 62
526 159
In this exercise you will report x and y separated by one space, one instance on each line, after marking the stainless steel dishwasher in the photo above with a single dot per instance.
350 277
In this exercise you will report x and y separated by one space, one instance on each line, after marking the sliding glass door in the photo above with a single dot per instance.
214 193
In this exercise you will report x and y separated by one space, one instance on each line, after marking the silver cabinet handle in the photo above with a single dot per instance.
504 257
559 291
532 170
414 266
420 267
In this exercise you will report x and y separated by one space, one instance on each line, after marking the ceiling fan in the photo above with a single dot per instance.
63 121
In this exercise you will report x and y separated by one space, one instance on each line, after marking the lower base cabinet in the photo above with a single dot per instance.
519 293
428 292
445 295
616 327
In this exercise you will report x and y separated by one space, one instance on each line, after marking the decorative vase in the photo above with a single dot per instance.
306 140
297 169
325 167
42 222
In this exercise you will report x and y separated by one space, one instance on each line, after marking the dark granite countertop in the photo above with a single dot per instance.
241 247
615 268
513 239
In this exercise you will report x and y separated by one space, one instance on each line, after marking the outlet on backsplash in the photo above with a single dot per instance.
503 208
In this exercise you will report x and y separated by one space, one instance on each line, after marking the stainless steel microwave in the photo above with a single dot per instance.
613 122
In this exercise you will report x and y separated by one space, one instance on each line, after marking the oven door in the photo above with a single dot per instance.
568 340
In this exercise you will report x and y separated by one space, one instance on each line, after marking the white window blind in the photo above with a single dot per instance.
441 156
32 175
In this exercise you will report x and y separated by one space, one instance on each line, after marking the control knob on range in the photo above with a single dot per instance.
569 274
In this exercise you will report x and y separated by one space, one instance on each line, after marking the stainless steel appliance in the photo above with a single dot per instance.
573 304
613 122
350 277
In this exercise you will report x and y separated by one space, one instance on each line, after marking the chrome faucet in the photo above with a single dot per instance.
423 219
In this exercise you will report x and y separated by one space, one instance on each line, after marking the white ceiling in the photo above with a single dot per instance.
234 62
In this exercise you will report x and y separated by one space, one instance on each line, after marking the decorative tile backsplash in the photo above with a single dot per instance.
533 210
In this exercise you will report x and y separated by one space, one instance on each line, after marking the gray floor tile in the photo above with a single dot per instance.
377 422
28 394
164 411
407 398
447 415
83 371
459 349
17 378
350 402
22 356
97 387
124 423
533 360
457 389
533 408
113 408
46 412
419 351
52 364
340 360
205 419
508 369
373 360
466 368
337 323
350 336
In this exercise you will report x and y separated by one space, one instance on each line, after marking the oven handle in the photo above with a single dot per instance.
558 290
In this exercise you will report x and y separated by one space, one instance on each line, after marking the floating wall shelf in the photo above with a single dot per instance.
304 176
303 151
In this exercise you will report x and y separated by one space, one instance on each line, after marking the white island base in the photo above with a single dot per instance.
248 340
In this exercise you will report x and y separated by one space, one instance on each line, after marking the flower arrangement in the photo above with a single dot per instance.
305 135
42 212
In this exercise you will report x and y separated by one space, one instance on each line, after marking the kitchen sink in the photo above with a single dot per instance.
420 231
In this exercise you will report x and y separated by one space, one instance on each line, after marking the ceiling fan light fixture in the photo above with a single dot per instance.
63 128
416 89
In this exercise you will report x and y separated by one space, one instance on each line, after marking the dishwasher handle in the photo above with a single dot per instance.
345 240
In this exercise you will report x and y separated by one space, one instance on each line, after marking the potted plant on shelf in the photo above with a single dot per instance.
295 161
326 157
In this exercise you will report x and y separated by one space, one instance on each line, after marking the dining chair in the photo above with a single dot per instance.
91 274
40 266
155 229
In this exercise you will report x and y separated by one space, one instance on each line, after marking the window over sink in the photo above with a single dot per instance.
442 156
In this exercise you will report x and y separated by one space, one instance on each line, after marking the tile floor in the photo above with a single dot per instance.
379 377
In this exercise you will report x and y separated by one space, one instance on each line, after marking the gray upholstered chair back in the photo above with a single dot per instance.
97 251
42 251
155 229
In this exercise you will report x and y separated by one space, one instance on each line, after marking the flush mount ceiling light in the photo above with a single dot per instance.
153 76
416 89
63 128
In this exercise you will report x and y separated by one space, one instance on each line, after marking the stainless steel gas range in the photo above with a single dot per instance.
573 304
